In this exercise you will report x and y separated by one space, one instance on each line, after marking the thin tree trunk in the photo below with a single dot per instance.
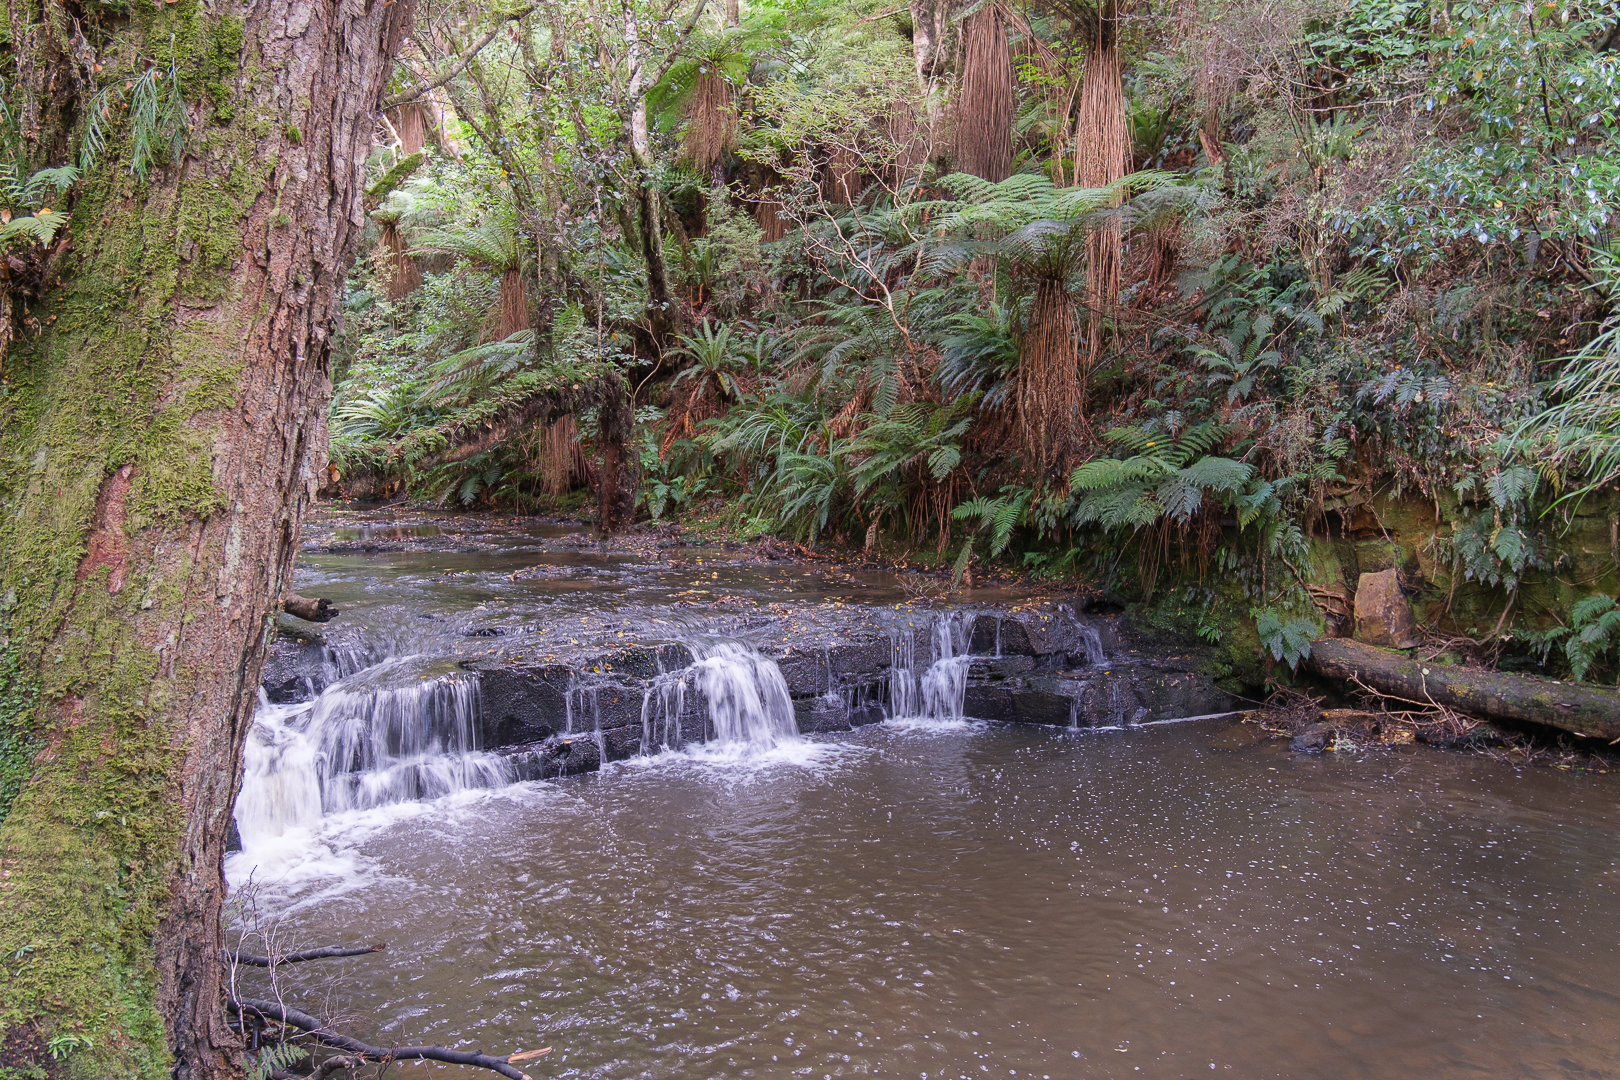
660 297
171 421
927 50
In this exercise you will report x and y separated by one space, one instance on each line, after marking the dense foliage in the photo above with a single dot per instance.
1358 254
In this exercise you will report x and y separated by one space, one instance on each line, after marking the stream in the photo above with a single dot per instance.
677 813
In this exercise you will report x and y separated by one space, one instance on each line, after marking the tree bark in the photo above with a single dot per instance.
161 435
1494 695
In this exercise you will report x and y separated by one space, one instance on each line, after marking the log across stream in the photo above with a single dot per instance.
826 854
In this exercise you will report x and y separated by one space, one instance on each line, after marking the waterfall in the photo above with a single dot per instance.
748 699
402 730
1093 644
938 692
661 727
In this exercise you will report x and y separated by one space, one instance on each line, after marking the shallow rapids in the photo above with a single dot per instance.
931 897
954 900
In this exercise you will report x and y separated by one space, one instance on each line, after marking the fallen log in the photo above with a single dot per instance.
1591 711
318 609
272 1010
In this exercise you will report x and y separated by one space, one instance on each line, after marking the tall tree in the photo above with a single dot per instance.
162 420
984 111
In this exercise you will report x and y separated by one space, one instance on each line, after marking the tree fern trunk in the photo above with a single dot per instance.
1102 155
514 302
984 114
160 435
1048 377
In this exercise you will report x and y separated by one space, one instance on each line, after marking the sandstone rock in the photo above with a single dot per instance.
1383 617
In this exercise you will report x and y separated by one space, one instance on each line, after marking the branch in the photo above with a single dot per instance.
407 96
270 1010
391 179
300 957
309 609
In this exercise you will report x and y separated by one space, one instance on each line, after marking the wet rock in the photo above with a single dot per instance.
1312 740
1115 697
809 672
821 714
806 673
1000 667
551 758
295 669
1383 617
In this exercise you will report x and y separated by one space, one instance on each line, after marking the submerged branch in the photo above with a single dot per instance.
270 1010
300 957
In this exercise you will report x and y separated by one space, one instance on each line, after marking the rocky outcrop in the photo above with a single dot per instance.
573 710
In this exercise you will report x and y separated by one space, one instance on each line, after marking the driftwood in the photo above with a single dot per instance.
1496 695
271 1010
318 609
300 957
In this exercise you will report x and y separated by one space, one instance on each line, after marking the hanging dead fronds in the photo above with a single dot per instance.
985 107
399 270
1102 155
412 127
1049 396
772 222
514 303
555 460
711 123
907 136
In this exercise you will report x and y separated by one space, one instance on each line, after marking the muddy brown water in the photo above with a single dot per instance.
961 901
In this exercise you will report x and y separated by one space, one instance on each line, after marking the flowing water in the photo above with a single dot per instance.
926 898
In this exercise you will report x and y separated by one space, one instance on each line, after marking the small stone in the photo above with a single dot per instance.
1383 617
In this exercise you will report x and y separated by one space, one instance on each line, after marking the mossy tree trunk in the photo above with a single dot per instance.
159 433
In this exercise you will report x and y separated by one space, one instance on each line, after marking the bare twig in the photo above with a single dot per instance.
406 96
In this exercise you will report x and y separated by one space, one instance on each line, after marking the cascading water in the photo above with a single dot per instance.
749 704
1092 641
662 704
938 692
405 729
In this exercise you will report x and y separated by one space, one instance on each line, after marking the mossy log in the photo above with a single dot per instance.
1495 695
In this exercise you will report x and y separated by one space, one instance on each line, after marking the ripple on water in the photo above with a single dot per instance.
994 902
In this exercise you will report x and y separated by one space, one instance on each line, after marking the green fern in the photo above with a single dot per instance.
1167 476
1595 626
275 1057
